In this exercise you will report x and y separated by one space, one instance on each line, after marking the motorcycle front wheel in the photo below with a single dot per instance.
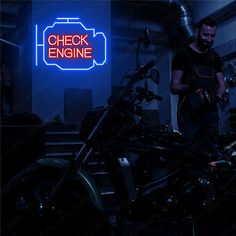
70 210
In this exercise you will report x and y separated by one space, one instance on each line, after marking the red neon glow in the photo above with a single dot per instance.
70 53
62 46
68 40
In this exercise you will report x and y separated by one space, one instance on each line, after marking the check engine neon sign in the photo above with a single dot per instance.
69 45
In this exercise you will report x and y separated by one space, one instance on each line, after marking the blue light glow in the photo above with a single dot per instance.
37 45
98 36
36 42
66 18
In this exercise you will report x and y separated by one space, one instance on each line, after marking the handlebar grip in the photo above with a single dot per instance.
148 66
159 98
138 75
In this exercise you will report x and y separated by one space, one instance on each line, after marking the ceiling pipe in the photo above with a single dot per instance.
186 20
184 15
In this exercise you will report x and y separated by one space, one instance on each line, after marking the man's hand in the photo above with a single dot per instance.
208 98
211 99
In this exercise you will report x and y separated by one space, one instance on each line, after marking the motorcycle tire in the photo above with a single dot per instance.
69 213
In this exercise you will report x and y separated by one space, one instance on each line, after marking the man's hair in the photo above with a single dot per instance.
210 21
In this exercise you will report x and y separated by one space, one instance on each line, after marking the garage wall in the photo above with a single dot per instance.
49 82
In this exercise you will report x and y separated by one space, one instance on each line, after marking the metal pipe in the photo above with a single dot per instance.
186 21
185 17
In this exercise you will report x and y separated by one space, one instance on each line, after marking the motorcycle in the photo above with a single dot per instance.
127 175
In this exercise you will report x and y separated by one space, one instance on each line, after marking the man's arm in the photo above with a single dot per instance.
175 85
221 84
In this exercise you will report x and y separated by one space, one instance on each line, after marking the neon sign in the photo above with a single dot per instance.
69 45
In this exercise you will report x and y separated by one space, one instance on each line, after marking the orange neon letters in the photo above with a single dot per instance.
69 46
68 40
70 53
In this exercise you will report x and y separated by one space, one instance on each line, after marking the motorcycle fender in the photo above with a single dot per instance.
54 162
81 175
91 188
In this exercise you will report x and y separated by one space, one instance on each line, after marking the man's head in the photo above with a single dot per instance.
206 31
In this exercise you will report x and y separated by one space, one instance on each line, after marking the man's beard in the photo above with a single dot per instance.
202 45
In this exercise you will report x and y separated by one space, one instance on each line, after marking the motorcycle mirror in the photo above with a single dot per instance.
146 38
155 76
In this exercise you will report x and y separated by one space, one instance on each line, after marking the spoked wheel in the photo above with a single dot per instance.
69 212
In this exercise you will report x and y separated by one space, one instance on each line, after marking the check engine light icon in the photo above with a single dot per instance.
69 45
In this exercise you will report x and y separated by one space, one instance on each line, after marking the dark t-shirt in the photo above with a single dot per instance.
187 60
183 57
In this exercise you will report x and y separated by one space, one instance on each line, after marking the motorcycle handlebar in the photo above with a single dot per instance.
148 66
138 74
149 95
142 70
